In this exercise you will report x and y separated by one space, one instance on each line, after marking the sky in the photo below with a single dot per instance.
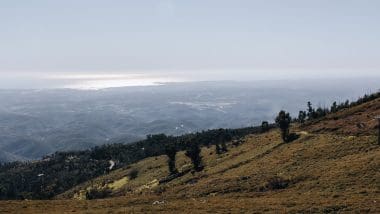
199 39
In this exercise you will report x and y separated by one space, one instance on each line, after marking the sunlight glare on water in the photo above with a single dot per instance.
100 81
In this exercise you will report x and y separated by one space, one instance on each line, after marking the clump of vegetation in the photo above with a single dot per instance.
312 113
171 152
133 174
283 120
220 141
98 193
302 116
276 183
63 170
218 149
193 152
264 126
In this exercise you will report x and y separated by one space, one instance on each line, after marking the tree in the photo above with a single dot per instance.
347 104
221 137
264 126
283 120
320 112
334 107
225 137
302 116
310 111
218 150
171 152
193 152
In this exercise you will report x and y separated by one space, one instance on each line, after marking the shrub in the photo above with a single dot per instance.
264 126
98 193
276 183
302 116
133 174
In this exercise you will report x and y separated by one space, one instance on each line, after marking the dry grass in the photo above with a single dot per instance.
324 173
358 120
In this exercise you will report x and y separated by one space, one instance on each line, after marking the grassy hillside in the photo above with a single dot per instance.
327 170
61 171
357 120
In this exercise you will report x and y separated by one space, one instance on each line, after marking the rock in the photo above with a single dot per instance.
158 202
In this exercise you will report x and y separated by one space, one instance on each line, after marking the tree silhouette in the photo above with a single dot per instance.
334 107
218 150
283 120
321 112
302 116
171 152
310 111
264 126
222 136
347 104
193 152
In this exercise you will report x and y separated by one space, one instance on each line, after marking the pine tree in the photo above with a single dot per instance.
302 116
334 107
193 152
264 126
171 152
283 120
310 111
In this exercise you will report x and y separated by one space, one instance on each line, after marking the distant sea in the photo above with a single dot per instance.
100 80
83 81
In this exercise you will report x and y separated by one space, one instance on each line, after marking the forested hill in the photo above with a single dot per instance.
61 171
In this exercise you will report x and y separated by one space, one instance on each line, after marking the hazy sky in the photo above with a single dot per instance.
230 38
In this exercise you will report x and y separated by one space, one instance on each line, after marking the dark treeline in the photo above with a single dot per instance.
312 113
61 171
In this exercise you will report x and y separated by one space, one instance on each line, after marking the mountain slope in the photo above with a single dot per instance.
324 171
357 120
318 172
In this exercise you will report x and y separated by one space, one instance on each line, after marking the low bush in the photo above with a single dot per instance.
133 174
276 183
98 194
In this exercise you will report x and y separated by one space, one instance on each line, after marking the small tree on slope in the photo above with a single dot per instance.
171 152
193 152
264 126
283 120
